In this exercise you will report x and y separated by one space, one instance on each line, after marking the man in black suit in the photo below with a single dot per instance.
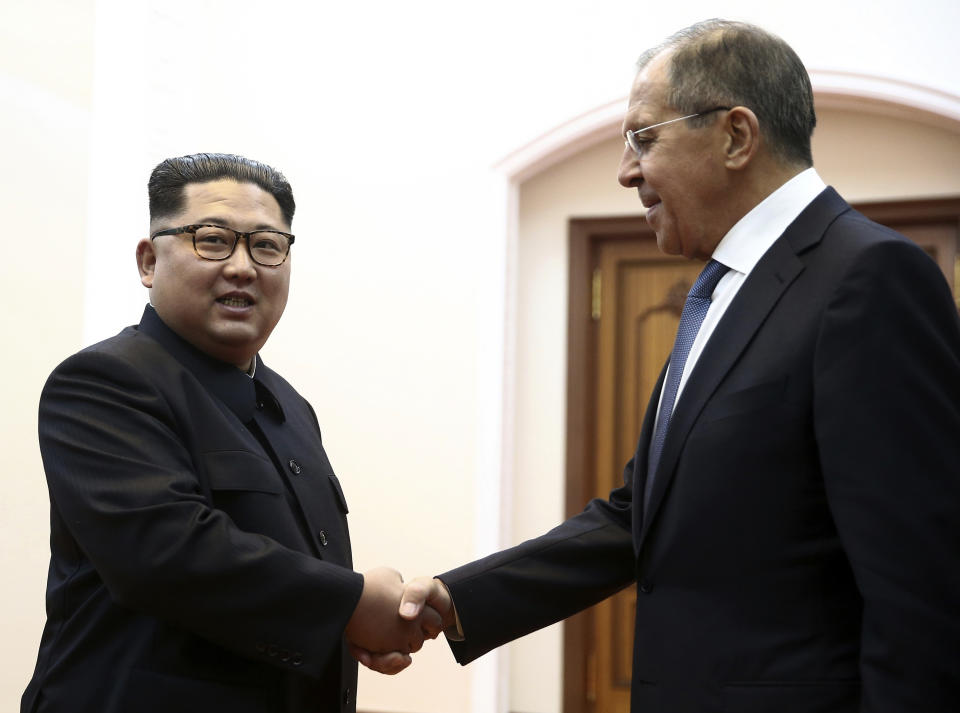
791 516
200 557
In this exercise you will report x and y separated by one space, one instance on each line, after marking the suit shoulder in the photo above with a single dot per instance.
128 352
854 243
858 231
875 261
832 235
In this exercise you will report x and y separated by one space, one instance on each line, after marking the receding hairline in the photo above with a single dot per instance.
684 39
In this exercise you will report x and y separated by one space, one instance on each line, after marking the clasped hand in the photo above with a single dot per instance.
391 621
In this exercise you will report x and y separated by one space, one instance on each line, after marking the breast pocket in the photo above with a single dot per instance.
241 471
248 488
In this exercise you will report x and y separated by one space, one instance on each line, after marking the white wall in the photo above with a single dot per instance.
45 97
388 118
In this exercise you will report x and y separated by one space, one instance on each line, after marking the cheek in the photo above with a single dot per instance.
176 266
279 289
183 285
681 201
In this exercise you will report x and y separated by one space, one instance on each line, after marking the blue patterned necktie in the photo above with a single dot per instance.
694 310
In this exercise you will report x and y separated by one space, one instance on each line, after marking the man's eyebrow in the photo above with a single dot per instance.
223 223
635 121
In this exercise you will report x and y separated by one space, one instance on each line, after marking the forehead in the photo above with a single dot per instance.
239 202
647 103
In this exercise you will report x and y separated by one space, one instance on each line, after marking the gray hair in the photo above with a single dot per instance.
724 63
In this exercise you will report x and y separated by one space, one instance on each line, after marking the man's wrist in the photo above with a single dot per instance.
454 629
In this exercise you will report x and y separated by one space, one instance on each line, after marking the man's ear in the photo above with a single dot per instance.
146 261
743 137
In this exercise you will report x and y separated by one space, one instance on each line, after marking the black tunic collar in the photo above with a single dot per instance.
241 394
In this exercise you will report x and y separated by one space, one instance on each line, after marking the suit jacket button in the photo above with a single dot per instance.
297 659
323 538
294 467
645 587
272 650
284 655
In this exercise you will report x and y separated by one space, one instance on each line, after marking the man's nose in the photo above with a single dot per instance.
629 174
240 263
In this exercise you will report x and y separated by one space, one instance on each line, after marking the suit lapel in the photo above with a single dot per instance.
761 291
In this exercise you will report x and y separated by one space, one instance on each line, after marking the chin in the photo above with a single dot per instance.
666 246
233 347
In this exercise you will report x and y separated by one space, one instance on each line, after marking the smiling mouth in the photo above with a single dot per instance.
234 302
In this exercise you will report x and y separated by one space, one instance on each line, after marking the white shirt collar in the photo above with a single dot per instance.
752 235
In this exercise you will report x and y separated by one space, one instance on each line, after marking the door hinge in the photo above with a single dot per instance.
595 295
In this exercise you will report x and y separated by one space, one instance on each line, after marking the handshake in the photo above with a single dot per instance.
392 620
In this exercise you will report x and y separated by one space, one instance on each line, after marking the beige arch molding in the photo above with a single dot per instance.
832 90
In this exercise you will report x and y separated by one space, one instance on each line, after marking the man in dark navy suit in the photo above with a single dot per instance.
791 516
200 557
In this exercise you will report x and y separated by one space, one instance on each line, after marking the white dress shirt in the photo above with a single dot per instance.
741 249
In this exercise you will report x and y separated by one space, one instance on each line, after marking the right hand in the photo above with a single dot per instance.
431 593
376 636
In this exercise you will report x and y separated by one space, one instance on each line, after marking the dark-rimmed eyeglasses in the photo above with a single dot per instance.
215 242
636 142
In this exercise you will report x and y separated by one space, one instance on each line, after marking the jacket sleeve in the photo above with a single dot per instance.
887 415
129 509
544 580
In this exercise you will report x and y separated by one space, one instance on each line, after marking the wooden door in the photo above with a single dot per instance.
625 303
623 319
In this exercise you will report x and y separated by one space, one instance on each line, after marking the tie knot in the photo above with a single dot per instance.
707 281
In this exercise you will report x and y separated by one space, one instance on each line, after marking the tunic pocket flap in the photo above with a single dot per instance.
335 482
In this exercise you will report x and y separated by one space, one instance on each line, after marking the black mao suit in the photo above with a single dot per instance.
200 559
801 551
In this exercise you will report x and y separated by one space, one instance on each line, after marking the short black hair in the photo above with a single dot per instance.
171 176
725 63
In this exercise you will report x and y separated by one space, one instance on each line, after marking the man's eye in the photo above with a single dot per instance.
212 236
211 239
639 142
271 244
